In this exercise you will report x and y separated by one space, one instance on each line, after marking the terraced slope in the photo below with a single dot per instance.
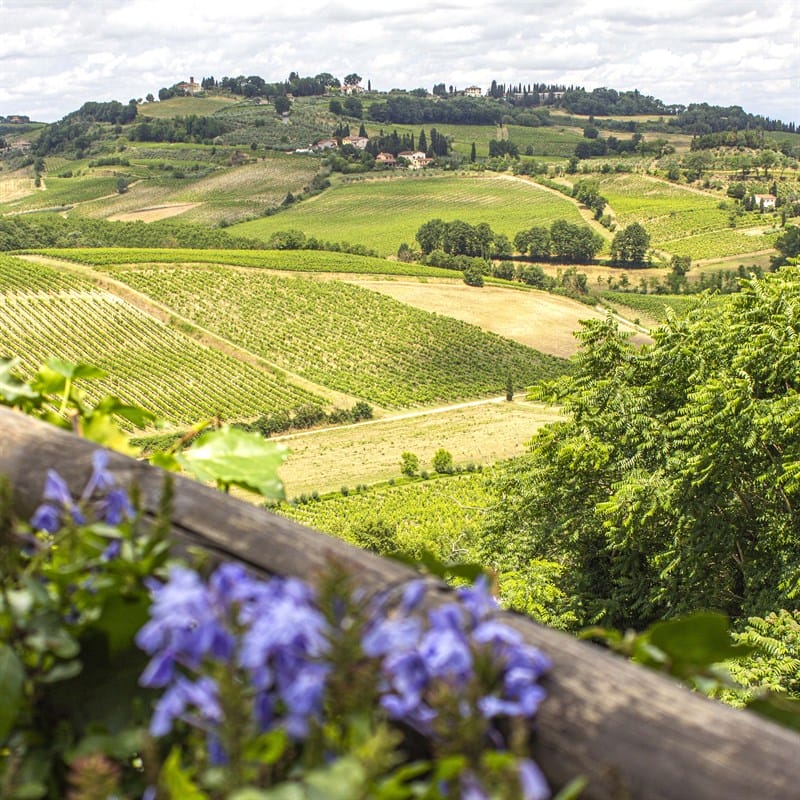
342 336
148 363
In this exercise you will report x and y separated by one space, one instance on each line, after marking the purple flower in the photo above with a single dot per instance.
46 518
101 480
471 788
200 697
183 623
112 550
115 507
532 782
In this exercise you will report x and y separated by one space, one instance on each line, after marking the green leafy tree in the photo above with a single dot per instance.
353 79
409 464
473 275
574 243
282 104
630 245
673 483
443 461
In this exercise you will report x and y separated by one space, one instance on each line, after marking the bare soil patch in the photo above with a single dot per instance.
15 187
155 213
540 320
327 460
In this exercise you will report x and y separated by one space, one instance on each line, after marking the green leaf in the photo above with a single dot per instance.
74 370
177 781
342 780
12 680
573 789
782 710
11 388
230 456
139 416
697 641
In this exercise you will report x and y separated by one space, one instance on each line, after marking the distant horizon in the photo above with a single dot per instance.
58 54
458 87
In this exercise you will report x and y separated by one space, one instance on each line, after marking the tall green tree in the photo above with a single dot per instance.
673 483
630 245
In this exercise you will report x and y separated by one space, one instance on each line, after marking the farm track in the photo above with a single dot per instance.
197 332
587 215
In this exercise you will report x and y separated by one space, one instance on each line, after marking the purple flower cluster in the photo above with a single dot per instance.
268 634
99 500
270 638
419 658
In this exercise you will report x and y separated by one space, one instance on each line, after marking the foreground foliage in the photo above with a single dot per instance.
271 689
674 484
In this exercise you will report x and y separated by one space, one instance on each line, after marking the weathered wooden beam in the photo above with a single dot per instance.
633 733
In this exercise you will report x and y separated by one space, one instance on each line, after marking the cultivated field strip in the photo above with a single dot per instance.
23 277
148 363
681 220
444 514
383 213
288 260
342 336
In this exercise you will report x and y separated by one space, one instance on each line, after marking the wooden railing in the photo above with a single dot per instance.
633 733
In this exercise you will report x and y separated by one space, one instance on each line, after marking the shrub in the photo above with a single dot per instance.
409 464
443 462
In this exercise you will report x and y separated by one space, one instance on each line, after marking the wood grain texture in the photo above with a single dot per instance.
634 733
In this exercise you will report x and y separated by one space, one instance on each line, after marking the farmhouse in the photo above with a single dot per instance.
326 144
189 88
415 160
387 159
764 201
353 89
473 91
359 142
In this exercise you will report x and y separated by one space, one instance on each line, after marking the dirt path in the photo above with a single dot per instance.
585 213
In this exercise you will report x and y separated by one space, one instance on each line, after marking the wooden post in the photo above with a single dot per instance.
632 732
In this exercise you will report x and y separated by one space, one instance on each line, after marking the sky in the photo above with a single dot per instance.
57 54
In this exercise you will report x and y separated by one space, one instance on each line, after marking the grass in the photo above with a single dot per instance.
223 193
322 261
383 213
652 306
324 461
682 220
537 319
185 106
63 192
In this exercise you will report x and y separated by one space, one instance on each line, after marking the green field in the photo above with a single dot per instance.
221 192
721 243
185 106
383 213
341 336
682 220
283 260
61 192
653 306
25 277
442 514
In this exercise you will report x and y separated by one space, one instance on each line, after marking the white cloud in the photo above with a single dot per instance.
57 54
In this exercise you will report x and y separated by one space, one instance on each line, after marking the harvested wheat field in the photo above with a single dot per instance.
155 213
544 321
